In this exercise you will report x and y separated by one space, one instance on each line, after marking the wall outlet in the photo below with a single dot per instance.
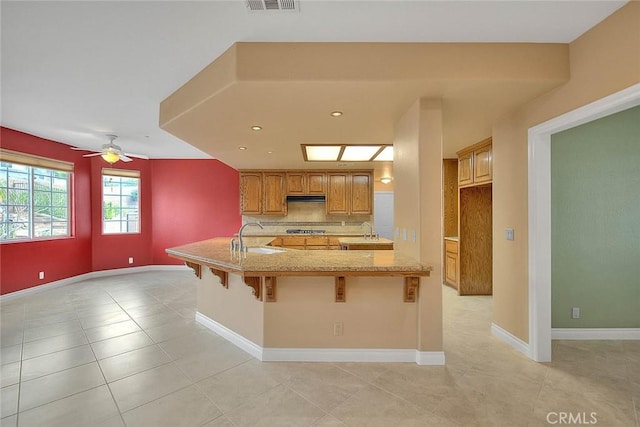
404 234
575 313
343 223
130 260
509 233
337 329
41 275
414 236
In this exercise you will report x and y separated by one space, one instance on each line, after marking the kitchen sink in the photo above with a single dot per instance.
263 250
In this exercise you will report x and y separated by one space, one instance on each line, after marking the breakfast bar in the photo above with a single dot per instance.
283 304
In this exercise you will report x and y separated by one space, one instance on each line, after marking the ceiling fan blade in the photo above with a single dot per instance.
125 158
139 156
92 154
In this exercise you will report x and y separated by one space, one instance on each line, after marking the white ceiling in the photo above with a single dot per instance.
75 71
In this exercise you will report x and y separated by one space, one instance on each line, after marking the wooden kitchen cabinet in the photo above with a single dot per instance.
475 164
251 193
482 170
306 183
337 193
273 193
465 168
452 263
349 193
262 193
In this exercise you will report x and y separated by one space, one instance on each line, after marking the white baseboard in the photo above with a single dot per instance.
234 338
430 357
510 339
87 276
595 333
321 354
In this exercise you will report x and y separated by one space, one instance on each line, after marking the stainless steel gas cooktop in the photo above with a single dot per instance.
304 231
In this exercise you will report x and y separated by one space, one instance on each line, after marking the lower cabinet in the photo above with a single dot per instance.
451 263
306 242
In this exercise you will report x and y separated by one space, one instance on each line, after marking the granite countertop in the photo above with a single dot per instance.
215 253
363 241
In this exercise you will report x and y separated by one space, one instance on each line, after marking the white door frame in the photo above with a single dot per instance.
540 210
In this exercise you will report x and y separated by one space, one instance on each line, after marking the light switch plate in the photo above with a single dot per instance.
509 234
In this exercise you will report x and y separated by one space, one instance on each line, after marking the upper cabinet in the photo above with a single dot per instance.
475 164
306 183
349 193
262 193
251 193
273 193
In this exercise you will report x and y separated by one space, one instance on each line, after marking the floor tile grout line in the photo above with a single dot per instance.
102 373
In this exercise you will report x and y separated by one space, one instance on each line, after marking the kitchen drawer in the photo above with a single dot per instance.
451 246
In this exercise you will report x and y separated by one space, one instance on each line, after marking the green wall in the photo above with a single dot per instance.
595 223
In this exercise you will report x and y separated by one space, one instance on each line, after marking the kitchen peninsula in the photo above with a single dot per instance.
297 305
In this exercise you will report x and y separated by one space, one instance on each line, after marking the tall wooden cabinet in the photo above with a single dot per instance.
475 229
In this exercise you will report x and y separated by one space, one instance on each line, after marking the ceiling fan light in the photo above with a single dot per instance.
110 157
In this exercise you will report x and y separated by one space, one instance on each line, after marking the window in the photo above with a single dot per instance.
34 197
120 201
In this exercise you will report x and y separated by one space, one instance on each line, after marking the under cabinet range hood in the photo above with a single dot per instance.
306 199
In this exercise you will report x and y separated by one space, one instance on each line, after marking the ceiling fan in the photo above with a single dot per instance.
111 152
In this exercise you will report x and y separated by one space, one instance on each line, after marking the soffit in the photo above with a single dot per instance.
290 88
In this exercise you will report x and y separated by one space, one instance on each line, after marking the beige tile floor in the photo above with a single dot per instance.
125 350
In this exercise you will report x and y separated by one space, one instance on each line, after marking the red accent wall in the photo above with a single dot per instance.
113 250
20 263
192 200
181 201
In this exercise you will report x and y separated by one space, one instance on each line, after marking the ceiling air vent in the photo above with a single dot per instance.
275 5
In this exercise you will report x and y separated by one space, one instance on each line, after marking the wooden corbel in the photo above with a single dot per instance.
254 282
341 284
223 275
411 288
197 268
270 289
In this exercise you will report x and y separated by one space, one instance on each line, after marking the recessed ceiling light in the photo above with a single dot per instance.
256 128
242 148
336 113
269 152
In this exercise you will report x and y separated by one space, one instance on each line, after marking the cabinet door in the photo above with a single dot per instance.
296 183
273 197
482 165
361 193
337 193
316 182
451 269
465 168
250 193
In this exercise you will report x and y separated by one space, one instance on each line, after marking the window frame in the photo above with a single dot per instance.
120 173
33 162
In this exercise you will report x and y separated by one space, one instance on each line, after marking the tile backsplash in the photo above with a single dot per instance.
310 215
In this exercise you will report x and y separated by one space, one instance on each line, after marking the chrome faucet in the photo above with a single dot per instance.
241 246
370 230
